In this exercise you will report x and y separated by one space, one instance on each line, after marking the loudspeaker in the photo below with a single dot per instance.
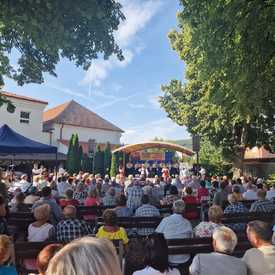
196 143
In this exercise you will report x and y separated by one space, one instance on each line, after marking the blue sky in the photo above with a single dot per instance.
124 93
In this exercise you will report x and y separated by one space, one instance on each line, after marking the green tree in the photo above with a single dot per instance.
42 32
107 158
212 160
227 97
74 155
70 156
87 163
99 161
114 165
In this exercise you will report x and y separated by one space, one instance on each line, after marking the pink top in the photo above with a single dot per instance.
90 202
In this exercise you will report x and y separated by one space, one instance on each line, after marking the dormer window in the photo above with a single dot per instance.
25 117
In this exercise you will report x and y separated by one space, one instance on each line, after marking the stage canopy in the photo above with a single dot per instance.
153 144
12 143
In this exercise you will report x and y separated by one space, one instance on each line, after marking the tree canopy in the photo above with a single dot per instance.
41 32
229 93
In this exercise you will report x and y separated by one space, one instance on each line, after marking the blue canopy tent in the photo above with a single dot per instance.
12 143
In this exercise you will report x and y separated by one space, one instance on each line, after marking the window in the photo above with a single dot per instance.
25 117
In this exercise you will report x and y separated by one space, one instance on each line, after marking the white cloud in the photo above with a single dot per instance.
138 13
163 128
137 106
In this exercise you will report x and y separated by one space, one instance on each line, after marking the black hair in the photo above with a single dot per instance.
239 181
215 184
202 183
157 252
122 200
262 229
145 199
110 217
173 190
236 189
46 191
189 190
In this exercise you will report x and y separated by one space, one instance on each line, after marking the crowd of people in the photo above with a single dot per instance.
54 200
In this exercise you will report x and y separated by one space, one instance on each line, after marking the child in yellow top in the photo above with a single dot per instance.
110 230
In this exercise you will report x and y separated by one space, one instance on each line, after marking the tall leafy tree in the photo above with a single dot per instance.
107 158
41 32
99 161
114 165
228 97
70 156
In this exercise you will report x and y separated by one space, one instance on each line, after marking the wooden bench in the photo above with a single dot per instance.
30 250
247 217
134 222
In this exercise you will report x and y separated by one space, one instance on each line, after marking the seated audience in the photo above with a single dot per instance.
220 197
206 229
69 200
235 207
176 226
19 205
122 210
80 193
202 194
172 197
220 261
271 192
6 252
110 197
71 228
156 257
250 193
239 185
260 260
32 197
190 199
146 210
3 222
45 255
85 256
46 194
262 204
110 230
39 231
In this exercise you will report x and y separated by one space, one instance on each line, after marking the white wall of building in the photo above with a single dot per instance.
33 129
84 134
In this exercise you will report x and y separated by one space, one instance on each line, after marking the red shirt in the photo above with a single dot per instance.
202 192
190 200
65 202
90 202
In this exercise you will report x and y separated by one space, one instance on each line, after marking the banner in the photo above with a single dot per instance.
152 156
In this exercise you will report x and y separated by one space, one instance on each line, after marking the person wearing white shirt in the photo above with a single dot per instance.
250 194
62 186
270 194
260 259
176 227
156 257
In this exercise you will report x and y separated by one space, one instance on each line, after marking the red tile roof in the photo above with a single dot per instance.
258 153
72 113
12 95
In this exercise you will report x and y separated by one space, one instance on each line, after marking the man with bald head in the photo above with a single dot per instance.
71 227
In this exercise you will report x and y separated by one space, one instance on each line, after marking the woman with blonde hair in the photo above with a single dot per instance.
6 253
87 255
